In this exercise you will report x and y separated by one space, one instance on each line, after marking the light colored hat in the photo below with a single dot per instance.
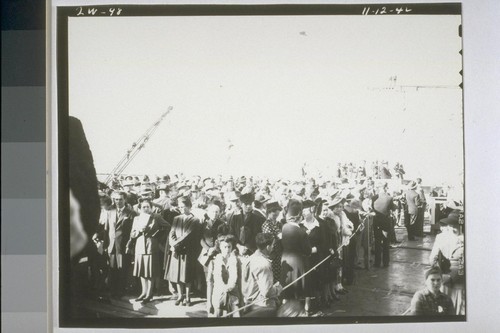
335 201
261 198
233 196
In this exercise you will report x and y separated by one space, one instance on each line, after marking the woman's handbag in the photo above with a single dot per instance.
443 263
180 248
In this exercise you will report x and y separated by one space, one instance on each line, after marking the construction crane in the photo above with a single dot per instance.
135 148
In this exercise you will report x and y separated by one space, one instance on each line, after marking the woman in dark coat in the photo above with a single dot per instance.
273 226
184 248
296 249
318 251
331 242
145 228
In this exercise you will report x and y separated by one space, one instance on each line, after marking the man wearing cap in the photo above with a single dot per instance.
413 203
117 226
430 301
246 224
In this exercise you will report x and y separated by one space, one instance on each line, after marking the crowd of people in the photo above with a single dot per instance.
378 169
248 245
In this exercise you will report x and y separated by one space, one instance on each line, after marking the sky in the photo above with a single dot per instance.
283 90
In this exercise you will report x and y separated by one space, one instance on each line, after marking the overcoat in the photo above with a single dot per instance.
184 236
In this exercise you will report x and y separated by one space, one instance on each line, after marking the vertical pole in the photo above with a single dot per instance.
368 241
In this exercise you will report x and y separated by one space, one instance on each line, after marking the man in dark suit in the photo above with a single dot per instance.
246 224
117 226
383 203
413 203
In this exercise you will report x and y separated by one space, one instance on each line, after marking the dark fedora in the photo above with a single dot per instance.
273 206
247 198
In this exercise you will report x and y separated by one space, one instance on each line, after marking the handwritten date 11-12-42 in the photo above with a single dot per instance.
385 10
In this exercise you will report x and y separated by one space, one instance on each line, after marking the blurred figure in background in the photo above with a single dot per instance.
296 250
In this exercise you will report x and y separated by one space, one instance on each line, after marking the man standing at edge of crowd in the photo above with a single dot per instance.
117 226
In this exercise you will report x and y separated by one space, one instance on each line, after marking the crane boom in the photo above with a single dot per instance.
135 148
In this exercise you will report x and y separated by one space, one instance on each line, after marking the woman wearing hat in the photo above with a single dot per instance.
330 241
296 249
273 226
315 234
184 242
352 209
345 229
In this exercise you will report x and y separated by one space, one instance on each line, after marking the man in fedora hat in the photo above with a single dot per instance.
128 185
246 224
259 204
413 203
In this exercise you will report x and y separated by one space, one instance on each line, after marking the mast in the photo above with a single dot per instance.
135 148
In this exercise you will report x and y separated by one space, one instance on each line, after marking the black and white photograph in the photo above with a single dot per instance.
268 164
